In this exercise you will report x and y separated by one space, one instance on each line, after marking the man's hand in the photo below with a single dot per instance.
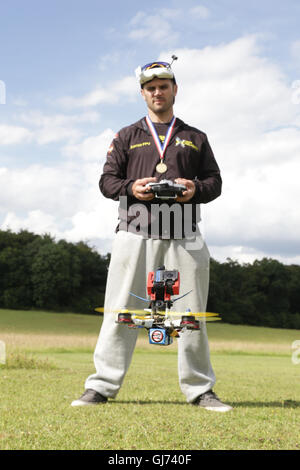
140 188
190 190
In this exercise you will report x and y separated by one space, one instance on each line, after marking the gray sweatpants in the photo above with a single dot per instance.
132 258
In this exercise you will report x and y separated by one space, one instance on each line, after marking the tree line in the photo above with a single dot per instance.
38 272
264 293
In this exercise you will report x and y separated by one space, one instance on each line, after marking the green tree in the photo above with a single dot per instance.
93 273
54 276
15 287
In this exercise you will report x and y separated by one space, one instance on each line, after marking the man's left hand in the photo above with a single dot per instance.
190 189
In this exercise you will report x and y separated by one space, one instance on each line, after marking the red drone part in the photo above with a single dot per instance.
162 284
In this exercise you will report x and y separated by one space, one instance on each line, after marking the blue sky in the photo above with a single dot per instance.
68 70
47 47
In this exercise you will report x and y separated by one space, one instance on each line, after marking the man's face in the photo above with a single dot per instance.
159 94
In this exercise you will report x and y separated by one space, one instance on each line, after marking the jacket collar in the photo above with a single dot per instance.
142 124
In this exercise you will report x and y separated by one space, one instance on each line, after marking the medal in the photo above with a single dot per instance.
161 167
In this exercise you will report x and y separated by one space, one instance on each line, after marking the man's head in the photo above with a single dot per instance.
158 86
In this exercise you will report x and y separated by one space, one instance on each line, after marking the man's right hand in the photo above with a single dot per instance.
140 188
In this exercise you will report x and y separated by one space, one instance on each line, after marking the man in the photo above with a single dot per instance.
157 147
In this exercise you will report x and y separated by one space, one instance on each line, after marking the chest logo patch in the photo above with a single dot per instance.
180 142
185 143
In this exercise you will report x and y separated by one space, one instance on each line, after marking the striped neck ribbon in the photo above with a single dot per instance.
161 147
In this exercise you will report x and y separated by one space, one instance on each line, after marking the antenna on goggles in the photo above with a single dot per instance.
174 58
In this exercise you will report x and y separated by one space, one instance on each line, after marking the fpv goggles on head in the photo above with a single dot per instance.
155 70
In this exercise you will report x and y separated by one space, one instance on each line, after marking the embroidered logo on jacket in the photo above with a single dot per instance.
142 144
184 143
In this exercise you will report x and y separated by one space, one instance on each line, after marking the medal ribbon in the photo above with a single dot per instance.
161 148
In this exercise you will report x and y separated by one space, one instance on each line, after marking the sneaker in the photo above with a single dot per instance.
89 397
210 401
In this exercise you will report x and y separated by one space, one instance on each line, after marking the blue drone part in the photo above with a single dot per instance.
159 336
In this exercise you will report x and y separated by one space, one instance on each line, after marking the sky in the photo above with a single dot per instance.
67 85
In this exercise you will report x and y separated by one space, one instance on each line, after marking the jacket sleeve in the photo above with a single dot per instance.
113 181
208 182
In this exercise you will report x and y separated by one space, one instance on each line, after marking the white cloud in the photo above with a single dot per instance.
21 102
170 13
164 25
126 87
234 88
112 94
44 129
97 223
11 135
200 12
108 60
154 28
64 200
92 148
39 119
36 187
243 102
57 127
93 98
36 221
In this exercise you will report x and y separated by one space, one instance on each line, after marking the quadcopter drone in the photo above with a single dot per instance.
157 318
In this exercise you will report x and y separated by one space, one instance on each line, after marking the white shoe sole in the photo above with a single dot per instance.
82 403
220 409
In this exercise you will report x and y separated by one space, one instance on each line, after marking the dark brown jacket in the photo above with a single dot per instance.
133 155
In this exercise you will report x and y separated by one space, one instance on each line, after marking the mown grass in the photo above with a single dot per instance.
47 363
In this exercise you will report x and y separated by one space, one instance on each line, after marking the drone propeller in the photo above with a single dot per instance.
209 316
201 316
120 310
146 313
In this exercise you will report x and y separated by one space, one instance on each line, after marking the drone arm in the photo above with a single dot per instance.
141 298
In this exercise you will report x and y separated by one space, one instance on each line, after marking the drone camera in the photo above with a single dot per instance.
162 284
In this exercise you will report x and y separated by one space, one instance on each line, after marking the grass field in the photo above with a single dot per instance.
50 355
